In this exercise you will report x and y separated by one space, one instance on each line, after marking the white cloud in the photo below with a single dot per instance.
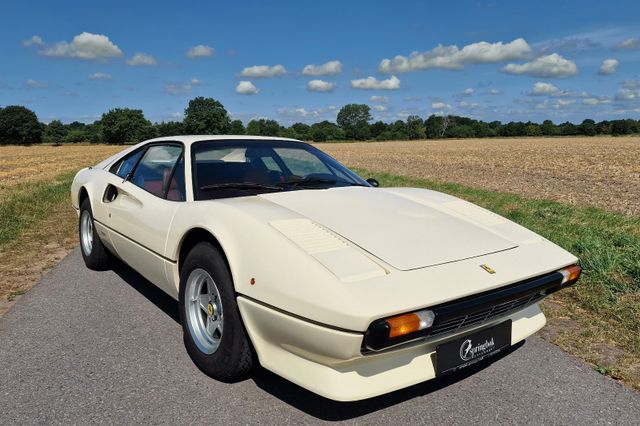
329 68
454 58
33 41
630 43
247 88
631 84
566 102
320 86
596 101
33 84
259 71
468 92
99 76
379 108
86 46
544 89
376 98
494 92
440 105
200 51
548 89
628 95
296 114
140 59
392 83
182 89
467 105
555 104
178 89
549 66
608 67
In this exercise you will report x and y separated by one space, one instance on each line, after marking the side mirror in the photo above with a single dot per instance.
373 182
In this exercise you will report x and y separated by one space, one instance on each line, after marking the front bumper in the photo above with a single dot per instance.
329 362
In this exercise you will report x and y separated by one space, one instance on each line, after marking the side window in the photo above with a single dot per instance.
123 167
161 172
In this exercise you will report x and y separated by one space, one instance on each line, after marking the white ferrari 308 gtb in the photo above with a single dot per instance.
279 255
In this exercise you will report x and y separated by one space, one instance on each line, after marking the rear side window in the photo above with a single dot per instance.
161 172
123 167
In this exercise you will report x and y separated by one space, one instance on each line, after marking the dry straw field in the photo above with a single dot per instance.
597 171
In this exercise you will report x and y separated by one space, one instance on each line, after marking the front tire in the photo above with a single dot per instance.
213 331
95 254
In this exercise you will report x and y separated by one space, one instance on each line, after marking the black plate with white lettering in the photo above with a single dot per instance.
472 348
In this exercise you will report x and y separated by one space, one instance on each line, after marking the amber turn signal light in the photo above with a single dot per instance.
570 274
409 323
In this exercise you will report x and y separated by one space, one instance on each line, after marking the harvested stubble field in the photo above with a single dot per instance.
37 224
22 164
597 171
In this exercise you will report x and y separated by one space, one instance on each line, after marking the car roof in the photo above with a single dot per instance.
190 139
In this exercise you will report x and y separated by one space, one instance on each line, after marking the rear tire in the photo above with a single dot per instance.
96 256
213 332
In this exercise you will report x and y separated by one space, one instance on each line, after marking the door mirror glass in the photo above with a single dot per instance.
373 182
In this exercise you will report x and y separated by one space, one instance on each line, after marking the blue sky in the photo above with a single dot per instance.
494 60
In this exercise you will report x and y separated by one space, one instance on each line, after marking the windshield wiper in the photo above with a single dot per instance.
308 181
241 186
318 181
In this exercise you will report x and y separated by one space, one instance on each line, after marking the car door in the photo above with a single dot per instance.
141 212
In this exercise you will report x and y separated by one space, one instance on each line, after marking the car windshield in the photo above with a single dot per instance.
223 169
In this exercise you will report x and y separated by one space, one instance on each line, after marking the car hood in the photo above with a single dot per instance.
406 228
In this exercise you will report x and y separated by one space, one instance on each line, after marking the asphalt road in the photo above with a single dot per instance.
85 347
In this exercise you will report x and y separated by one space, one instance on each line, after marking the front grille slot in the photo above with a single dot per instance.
485 307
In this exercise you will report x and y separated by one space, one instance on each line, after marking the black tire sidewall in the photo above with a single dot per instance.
229 362
99 259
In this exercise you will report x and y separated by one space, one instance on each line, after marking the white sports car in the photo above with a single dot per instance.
280 255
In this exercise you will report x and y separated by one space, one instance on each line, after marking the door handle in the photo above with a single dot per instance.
110 194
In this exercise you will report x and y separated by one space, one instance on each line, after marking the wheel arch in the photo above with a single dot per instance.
195 236
83 194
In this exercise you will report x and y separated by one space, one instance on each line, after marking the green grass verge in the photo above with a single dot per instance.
25 204
607 244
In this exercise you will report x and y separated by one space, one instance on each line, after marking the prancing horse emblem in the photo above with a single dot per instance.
487 268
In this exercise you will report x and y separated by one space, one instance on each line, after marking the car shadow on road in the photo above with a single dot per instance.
162 300
296 396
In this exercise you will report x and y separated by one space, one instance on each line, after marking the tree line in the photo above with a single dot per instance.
19 125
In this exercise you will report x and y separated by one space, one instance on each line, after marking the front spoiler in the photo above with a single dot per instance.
328 362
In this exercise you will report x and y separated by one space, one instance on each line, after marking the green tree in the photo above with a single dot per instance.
568 129
622 127
236 128
263 127
206 116
55 132
533 129
19 125
326 131
123 125
548 128
587 128
433 125
169 128
415 127
354 121
301 131
377 128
